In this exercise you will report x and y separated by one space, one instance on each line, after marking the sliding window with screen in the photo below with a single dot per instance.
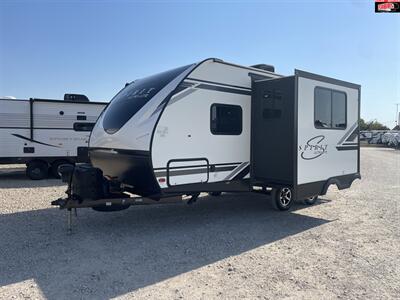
329 109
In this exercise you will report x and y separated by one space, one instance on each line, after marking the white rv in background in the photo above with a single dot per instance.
44 133
218 127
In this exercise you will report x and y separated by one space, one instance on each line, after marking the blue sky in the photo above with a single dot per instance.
48 48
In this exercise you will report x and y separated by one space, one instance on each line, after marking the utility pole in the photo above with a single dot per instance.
397 114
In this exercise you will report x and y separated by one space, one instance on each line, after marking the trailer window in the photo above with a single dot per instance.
338 110
83 126
134 96
226 119
329 109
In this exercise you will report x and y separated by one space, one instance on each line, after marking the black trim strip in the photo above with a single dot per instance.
218 186
344 148
42 128
237 170
255 76
57 101
181 167
317 77
182 94
242 173
186 84
348 132
121 151
26 158
199 170
71 102
353 135
219 83
33 141
222 89
194 166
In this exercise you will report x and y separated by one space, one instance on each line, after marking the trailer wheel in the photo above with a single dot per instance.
56 164
283 198
215 194
37 169
310 200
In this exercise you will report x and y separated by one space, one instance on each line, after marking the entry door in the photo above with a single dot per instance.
272 131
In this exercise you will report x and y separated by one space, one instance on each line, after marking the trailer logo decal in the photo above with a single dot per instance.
313 148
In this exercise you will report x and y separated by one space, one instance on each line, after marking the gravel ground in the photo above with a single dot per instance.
233 246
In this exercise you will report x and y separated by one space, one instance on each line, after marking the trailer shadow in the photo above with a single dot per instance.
111 254
16 178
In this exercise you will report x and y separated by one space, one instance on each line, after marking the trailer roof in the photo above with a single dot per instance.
56 100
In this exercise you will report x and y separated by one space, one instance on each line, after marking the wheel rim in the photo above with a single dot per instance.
36 171
285 196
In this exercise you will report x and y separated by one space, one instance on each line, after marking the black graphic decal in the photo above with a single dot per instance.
33 141
313 148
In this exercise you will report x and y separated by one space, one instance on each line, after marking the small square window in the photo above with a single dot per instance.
226 119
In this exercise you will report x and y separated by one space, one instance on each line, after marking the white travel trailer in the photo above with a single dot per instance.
45 133
218 127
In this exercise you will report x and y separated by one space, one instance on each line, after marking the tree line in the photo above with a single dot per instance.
372 125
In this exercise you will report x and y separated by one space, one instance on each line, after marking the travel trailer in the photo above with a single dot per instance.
44 134
218 127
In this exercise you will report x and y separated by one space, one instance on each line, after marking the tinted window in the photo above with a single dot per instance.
134 96
322 108
83 126
330 109
226 119
338 110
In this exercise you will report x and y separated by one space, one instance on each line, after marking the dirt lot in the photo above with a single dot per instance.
233 246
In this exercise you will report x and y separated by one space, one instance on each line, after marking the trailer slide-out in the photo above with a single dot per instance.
44 134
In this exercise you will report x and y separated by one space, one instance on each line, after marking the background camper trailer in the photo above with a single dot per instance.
44 134
218 127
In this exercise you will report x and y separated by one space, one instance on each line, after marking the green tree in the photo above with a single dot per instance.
372 125
362 124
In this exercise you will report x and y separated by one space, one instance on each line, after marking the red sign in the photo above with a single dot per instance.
387 6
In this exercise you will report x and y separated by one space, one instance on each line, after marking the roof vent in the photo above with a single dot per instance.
75 98
264 67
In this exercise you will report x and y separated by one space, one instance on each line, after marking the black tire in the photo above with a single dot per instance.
283 198
311 200
37 169
56 164
215 194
